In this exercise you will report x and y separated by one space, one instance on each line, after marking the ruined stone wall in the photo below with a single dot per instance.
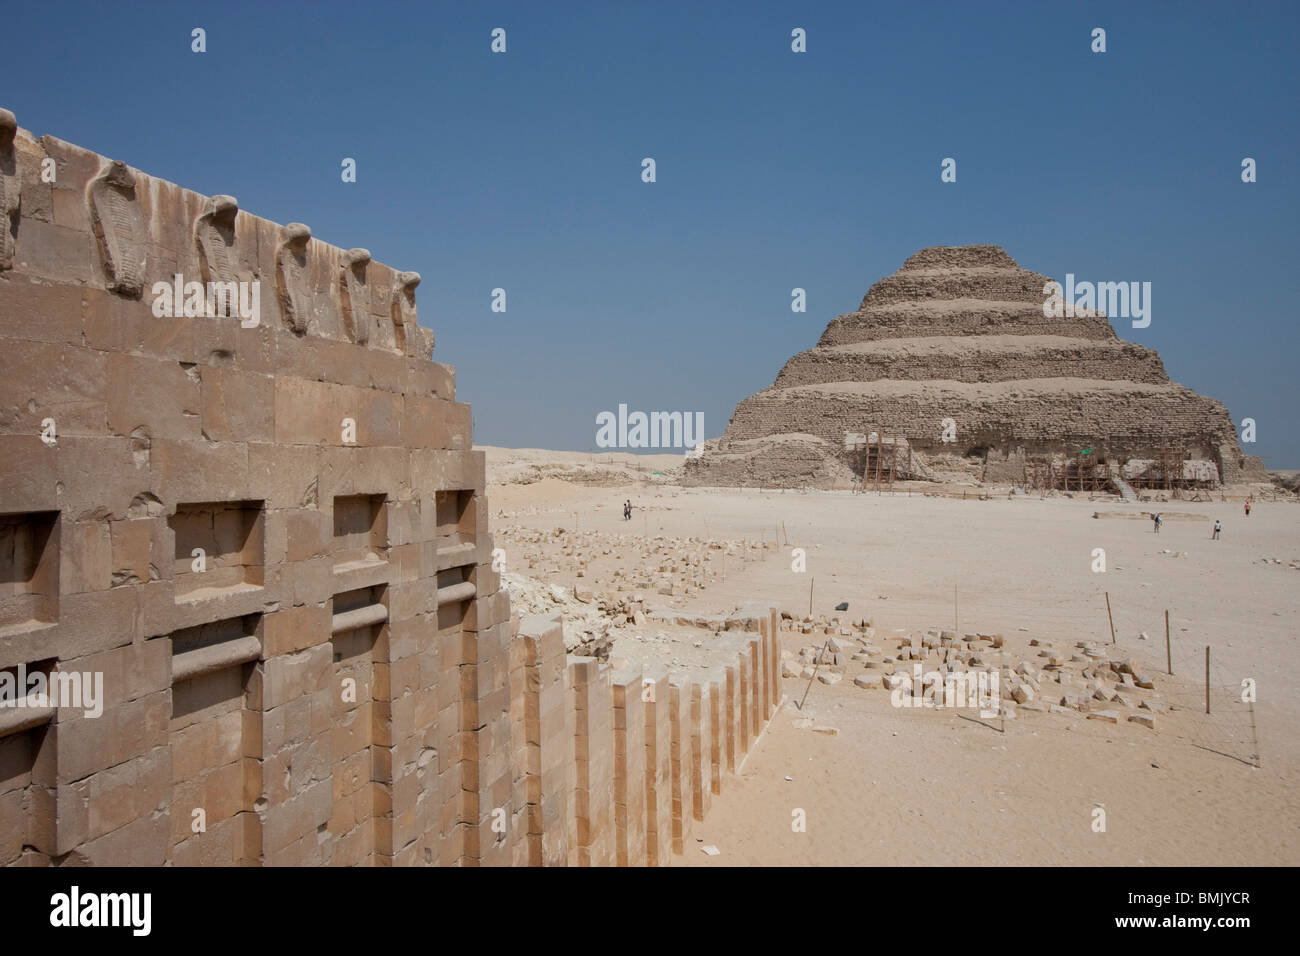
269 538
616 767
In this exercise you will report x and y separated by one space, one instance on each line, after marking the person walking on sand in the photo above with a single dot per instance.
1247 507
1217 528
1155 521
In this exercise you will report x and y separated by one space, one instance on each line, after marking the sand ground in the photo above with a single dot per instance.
898 786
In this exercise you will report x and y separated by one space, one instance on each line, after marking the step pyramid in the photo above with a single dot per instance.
953 358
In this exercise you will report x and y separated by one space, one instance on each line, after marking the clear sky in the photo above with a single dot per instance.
775 170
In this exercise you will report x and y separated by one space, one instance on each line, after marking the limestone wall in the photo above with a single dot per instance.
268 539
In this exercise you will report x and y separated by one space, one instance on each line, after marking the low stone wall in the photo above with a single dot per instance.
614 767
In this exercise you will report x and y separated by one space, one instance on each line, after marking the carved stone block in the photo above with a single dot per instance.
119 228
355 293
214 232
10 188
403 310
293 276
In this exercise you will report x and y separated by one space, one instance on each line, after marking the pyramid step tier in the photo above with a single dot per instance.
997 285
1046 415
994 358
960 317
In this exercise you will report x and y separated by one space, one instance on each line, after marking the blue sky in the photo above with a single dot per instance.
775 170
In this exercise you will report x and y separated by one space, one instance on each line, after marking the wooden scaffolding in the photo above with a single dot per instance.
1168 473
874 459
1083 472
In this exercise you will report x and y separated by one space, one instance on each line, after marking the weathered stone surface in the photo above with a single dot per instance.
10 188
119 227
291 275
356 295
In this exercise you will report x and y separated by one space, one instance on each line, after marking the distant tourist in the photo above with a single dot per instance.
1155 521
1217 528
1247 507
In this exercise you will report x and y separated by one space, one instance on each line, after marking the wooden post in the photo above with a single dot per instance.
954 611
811 582
1169 657
879 456
1111 617
1207 678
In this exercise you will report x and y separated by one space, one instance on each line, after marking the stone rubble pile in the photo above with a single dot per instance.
677 567
593 621
1083 680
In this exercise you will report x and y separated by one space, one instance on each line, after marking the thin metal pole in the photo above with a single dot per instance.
816 664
